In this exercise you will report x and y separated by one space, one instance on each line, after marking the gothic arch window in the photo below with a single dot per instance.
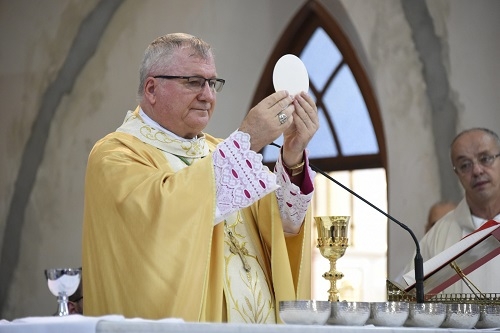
351 135
350 139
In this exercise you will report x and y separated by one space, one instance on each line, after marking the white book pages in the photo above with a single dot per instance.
469 253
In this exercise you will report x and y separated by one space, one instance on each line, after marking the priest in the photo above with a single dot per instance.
178 223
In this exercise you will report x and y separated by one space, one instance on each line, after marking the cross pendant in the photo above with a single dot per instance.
238 249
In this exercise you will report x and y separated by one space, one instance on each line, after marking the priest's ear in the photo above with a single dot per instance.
150 87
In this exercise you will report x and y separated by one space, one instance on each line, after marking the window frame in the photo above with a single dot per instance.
295 37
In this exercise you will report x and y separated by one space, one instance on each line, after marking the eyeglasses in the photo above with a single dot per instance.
196 83
466 166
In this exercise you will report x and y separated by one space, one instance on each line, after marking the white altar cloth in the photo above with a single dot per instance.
117 323
137 327
72 323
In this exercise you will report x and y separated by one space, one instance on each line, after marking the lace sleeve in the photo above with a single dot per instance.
293 201
240 177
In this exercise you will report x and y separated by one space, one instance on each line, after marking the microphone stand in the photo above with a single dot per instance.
418 261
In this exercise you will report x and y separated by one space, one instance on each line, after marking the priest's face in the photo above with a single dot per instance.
180 105
473 157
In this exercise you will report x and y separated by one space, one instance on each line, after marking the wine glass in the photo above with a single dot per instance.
63 282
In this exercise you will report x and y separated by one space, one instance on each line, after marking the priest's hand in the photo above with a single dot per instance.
304 124
269 119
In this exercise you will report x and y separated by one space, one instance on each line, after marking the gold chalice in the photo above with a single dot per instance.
332 243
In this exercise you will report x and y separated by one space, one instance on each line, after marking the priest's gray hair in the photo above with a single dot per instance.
160 51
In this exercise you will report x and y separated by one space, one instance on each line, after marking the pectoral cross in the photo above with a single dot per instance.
238 249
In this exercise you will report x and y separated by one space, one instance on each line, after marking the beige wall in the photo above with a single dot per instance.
36 37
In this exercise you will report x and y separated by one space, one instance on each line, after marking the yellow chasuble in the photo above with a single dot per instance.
150 247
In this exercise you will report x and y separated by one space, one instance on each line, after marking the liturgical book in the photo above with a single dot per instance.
470 253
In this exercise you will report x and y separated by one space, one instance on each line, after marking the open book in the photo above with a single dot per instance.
470 253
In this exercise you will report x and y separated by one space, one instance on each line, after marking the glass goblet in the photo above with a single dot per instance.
63 282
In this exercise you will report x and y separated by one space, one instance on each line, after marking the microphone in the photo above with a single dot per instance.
418 261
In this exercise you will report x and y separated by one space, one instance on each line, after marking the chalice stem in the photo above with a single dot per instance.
333 277
62 300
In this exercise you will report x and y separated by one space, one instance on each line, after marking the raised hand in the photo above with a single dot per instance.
269 119
304 124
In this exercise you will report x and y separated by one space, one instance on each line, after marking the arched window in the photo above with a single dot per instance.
350 145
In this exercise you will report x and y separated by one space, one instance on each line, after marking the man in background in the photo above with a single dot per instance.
437 211
475 159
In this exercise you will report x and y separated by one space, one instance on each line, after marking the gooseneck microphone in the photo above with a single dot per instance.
418 261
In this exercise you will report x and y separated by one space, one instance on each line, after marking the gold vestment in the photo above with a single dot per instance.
150 247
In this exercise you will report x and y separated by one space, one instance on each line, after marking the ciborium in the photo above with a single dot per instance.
332 243
63 282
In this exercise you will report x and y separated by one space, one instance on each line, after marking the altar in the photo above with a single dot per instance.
113 324
108 327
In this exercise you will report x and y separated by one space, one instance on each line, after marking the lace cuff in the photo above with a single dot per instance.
293 203
240 177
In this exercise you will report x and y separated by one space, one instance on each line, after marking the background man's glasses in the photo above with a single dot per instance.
196 83
466 166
